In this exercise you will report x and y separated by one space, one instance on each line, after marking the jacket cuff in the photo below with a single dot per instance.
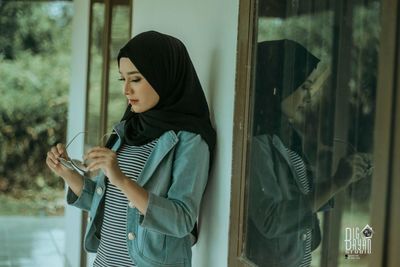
83 201
149 220
160 210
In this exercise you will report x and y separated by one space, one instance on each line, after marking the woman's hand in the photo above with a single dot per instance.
54 164
352 168
106 160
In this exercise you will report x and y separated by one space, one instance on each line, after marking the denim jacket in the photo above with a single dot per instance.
175 176
280 212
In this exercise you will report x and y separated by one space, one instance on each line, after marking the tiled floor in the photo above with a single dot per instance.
32 241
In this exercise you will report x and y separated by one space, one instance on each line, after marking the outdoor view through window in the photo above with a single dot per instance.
35 48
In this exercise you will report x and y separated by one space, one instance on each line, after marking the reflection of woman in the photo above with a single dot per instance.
144 204
283 228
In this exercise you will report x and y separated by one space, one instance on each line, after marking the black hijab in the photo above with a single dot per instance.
165 63
281 67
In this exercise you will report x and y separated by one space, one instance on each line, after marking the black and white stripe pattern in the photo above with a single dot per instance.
300 168
306 262
113 250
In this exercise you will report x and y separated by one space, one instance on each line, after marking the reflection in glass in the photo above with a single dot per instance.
95 74
312 132
120 33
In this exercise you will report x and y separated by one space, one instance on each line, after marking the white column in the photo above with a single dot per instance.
76 120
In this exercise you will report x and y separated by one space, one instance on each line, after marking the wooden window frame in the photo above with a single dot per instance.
386 179
241 130
108 8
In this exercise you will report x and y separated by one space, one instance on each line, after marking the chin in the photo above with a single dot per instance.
137 110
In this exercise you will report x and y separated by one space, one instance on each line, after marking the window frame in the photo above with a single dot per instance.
108 8
246 37
386 176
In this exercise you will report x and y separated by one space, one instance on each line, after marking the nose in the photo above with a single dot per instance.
307 96
127 88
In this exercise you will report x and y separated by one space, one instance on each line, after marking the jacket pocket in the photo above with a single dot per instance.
160 248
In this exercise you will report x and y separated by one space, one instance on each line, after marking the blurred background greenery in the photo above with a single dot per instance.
34 73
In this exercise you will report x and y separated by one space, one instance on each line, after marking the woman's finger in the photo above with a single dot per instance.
95 156
97 153
51 164
51 157
54 150
99 149
359 174
358 160
60 148
367 156
362 164
95 165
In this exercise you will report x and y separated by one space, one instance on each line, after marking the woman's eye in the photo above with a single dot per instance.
133 80
136 80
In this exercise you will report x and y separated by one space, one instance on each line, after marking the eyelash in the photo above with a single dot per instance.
134 80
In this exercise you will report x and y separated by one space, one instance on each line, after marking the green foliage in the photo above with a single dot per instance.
33 110
34 74
36 27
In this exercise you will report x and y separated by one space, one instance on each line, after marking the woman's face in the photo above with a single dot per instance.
302 103
297 104
140 94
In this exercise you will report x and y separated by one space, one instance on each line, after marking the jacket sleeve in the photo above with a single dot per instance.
84 201
177 213
272 213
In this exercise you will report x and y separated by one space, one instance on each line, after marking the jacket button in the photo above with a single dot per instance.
130 204
131 236
88 219
99 190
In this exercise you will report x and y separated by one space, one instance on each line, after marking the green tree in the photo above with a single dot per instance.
34 74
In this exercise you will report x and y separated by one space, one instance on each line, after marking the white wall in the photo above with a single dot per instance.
209 30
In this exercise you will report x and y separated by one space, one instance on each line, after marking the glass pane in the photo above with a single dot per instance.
95 75
310 150
35 60
120 33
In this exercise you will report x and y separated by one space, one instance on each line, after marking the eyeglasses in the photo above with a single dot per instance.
75 164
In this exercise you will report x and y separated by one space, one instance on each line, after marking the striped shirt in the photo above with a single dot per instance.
113 249
300 169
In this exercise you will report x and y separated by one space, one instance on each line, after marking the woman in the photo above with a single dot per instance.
284 194
144 204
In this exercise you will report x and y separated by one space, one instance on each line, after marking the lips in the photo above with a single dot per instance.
133 101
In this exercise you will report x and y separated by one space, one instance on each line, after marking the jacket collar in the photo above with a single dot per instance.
164 144
276 141
119 129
